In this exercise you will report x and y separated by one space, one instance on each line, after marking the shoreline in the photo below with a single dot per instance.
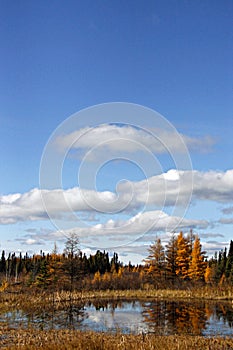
24 296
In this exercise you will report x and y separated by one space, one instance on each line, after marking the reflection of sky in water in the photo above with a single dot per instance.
159 317
217 327
127 318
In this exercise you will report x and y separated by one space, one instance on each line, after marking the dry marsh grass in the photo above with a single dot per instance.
205 293
38 296
35 298
67 340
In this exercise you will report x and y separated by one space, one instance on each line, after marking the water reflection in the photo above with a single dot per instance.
158 316
165 317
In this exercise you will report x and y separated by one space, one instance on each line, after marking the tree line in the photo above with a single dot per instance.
180 262
183 259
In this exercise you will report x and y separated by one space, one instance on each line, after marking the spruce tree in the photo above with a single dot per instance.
43 279
171 254
72 262
229 262
156 257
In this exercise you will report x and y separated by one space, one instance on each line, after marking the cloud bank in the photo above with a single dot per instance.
168 189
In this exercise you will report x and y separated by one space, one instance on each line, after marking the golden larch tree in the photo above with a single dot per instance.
209 273
182 256
197 266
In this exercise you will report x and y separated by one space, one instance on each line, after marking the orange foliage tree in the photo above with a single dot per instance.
197 266
182 257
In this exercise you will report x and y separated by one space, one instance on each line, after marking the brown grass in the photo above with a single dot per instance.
68 340
204 293
35 298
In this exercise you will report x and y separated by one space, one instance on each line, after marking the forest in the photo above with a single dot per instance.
179 264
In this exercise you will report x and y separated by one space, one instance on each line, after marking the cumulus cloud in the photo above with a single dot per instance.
213 185
119 232
168 189
36 204
141 223
131 139
173 187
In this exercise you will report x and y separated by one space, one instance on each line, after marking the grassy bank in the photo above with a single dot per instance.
68 340
204 293
34 297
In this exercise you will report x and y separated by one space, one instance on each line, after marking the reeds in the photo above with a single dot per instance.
67 340
35 298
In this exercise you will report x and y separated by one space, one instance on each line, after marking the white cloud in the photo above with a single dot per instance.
29 206
173 187
202 145
131 139
169 189
119 232
29 241
135 227
213 185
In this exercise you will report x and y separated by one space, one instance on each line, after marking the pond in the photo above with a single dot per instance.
160 317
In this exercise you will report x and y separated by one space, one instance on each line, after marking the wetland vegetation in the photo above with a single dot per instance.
177 299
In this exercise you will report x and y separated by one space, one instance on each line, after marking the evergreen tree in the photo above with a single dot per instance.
8 267
190 239
3 263
221 264
115 264
102 263
229 262
72 263
43 278
171 254
156 257
85 264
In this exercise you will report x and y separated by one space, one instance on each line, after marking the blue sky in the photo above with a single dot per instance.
59 57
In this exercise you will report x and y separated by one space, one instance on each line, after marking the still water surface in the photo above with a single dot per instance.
159 317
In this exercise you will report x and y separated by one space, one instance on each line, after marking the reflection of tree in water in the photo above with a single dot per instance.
224 312
155 315
159 316
190 318
65 315
106 304
166 317
75 315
